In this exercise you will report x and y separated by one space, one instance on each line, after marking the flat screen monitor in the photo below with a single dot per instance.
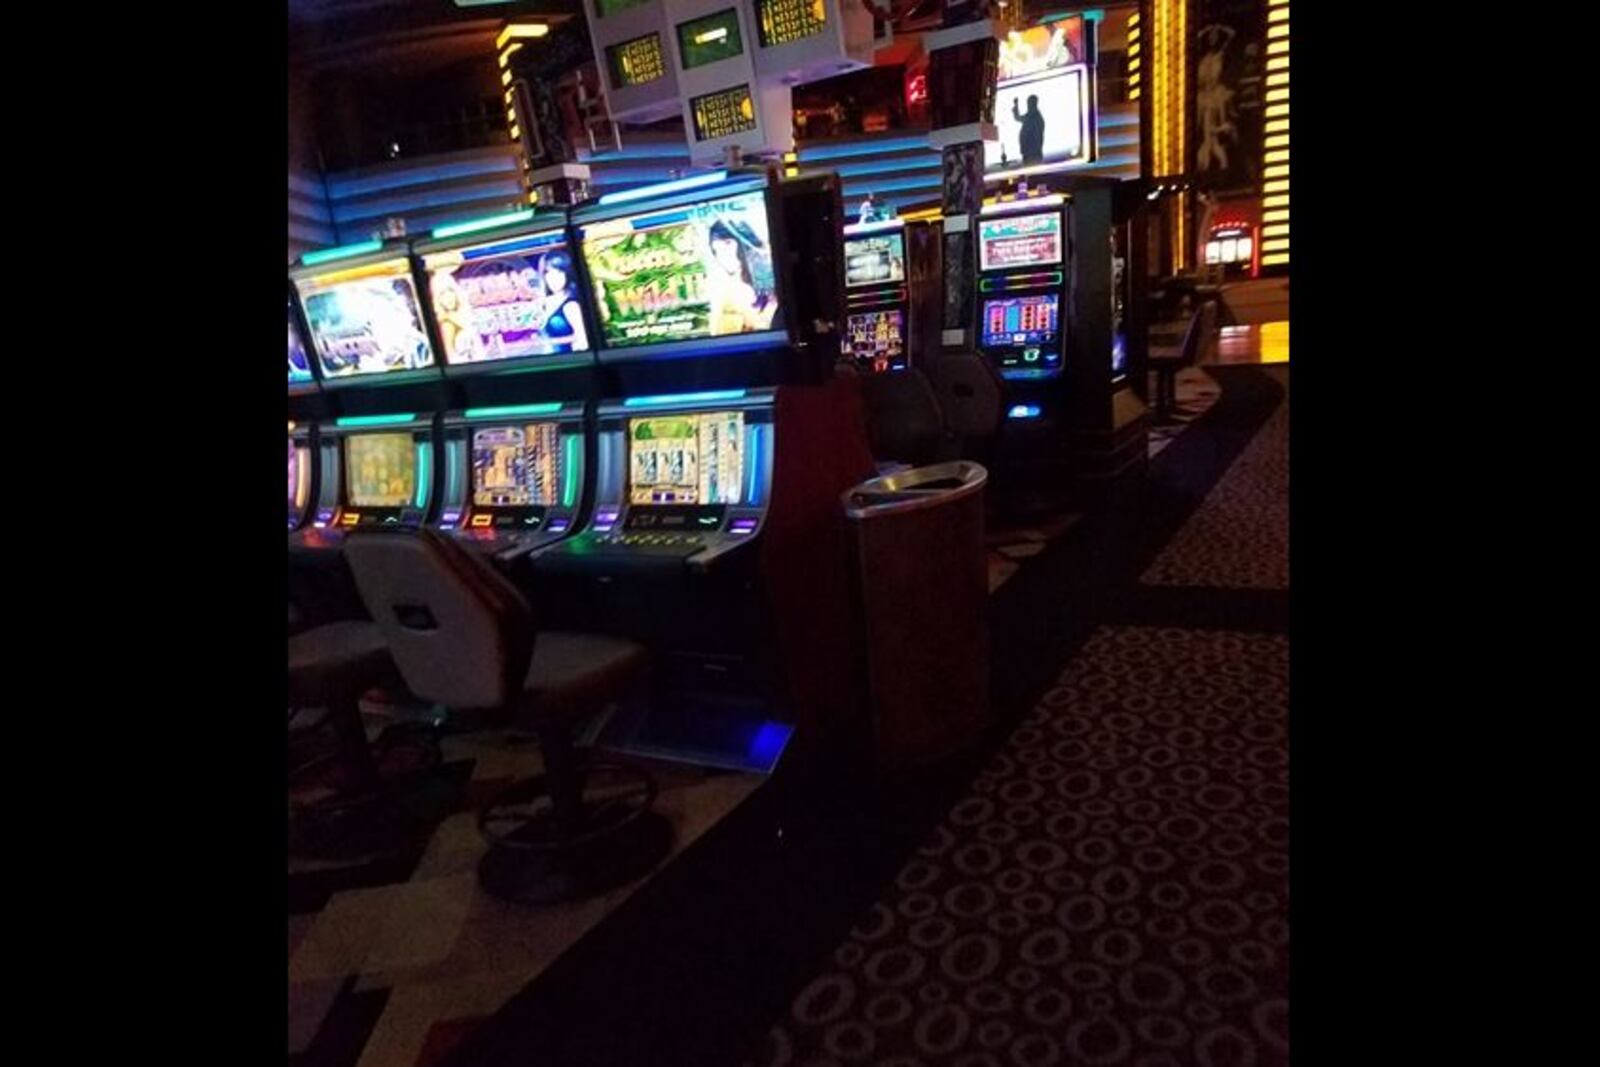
512 299
366 320
874 260
877 337
1019 241
696 458
1021 320
709 39
517 465
380 470
684 273
299 362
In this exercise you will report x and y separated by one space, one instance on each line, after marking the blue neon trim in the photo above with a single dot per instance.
328 255
505 218
1023 411
675 150
344 188
768 744
861 148
506 190
931 181
888 166
548 408
855 228
374 420
663 218
753 496
643 192
666 399
454 451
424 475
521 244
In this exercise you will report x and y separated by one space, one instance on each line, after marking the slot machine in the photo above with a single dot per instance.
722 445
304 397
374 462
1022 271
506 303
877 320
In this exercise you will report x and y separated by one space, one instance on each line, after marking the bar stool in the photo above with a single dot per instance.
1201 333
464 637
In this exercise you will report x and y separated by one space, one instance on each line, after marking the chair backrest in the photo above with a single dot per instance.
903 418
970 393
460 634
1201 335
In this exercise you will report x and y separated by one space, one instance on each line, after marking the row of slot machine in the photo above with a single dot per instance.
604 400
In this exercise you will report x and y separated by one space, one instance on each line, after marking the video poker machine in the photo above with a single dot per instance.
508 307
1053 320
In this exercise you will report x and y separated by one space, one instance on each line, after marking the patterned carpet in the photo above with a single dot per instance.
1113 886
1239 537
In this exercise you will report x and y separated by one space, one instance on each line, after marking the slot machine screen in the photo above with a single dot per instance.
299 362
381 470
366 320
1020 320
686 459
877 338
507 300
1019 241
684 273
874 260
516 466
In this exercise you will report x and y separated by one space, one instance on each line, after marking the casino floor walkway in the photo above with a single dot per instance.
1105 883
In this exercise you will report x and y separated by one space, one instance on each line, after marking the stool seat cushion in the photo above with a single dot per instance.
574 674
336 660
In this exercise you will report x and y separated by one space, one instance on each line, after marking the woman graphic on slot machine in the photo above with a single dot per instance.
451 311
735 306
560 318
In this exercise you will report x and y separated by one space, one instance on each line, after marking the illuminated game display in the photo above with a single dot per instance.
1042 98
783 21
686 273
1021 320
636 61
516 466
366 320
686 459
873 260
381 470
299 362
722 114
507 300
709 39
1019 241
877 338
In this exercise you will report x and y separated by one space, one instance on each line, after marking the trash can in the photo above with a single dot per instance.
923 582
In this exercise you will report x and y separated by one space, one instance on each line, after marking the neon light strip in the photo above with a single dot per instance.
682 398
569 471
1019 281
864 148
454 460
327 255
1023 411
424 475
455 229
513 409
374 420
753 496
874 227
521 244
643 192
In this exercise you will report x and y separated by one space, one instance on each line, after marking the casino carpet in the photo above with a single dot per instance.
1112 887
404 963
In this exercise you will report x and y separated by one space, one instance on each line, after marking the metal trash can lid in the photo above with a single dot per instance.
909 490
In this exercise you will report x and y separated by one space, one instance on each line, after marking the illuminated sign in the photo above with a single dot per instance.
1019 241
786 21
723 113
709 39
1042 97
637 61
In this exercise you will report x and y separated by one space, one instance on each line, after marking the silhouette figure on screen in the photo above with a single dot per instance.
1031 137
